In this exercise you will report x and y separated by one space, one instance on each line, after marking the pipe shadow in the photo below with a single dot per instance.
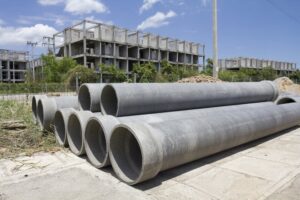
174 172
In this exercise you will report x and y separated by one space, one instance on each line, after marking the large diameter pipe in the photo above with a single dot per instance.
61 118
75 130
34 105
47 108
98 129
89 96
140 151
142 98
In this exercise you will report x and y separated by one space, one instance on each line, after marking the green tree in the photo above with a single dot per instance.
145 72
169 71
116 74
84 74
208 67
268 73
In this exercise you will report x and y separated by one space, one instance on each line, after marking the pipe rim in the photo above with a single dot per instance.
34 106
60 128
131 174
285 100
74 134
96 144
40 113
109 101
84 97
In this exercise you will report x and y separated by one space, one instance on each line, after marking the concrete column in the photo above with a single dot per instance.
1 75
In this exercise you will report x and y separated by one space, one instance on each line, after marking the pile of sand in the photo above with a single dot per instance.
200 79
286 85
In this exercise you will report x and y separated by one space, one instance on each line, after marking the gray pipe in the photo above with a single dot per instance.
89 96
34 105
60 125
98 129
48 106
75 130
142 98
140 151
283 99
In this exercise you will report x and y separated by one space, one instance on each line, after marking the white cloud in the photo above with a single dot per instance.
92 18
58 20
147 4
79 7
50 2
20 35
157 20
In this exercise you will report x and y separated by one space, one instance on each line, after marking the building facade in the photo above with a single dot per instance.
91 44
13 66
254 63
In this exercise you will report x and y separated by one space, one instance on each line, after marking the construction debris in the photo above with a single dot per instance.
13 125
286 85
200 79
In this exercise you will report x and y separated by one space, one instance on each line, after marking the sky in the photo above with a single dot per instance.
267 29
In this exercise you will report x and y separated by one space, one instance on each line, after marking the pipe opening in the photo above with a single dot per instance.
109 100
285 100
84 97
34 105
40 113
126 153
59 127
96 147
75 133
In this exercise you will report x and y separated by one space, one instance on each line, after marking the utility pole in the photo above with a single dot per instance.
33 45
49 43
215 40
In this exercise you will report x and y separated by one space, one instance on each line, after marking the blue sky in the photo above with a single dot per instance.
266 29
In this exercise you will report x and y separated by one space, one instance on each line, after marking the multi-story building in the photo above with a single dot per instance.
91 44
13 65
254 63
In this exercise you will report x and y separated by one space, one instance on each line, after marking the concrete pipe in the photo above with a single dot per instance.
98 129
34 105
89 96
75 130
132 99
61 118
47 108
287 99
140 151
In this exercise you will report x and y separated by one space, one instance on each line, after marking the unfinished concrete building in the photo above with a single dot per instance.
254 63
13 66
91 44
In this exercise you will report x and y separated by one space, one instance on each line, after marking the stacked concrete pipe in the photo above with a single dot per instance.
139 151
60 125
133 99
89 96
75 130
98 129
47 108
34 105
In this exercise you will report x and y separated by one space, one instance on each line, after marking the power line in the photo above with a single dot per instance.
284 12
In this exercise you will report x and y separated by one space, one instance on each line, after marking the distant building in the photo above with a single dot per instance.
254 63
91 43
13 66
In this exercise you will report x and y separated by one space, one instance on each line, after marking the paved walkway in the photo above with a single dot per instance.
266 169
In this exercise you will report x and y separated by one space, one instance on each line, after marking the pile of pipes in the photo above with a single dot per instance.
142 129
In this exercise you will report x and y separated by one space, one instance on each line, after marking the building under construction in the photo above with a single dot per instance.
13 66
254 63
91 44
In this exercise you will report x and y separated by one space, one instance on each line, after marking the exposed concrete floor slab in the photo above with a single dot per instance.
265 169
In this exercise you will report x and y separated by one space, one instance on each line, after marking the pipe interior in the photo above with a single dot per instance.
127 154
285 101
33 105
84 98
40 113
96 142
75 132
59 125
109 100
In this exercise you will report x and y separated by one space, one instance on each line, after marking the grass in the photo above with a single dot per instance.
22 141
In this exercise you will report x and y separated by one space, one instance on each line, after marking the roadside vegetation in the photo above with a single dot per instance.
18 133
